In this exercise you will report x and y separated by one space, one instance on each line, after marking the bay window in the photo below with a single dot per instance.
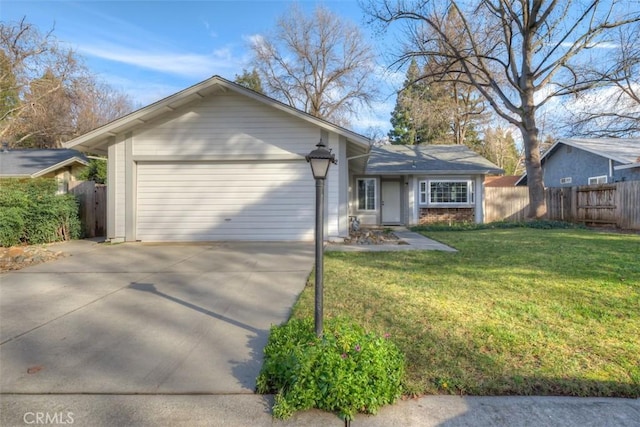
446 192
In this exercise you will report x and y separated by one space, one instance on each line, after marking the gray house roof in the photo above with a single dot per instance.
418 159
624 151
35 163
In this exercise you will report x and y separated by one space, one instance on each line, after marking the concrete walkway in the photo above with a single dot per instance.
412 242
254 410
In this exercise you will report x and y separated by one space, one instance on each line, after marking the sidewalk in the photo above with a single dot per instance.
254 410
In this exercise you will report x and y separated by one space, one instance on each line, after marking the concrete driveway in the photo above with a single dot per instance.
140 318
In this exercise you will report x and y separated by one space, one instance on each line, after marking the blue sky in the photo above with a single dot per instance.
151 49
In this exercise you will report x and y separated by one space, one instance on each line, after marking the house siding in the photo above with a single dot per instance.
117 191
230 135
225 124
580 165
628 174
333 202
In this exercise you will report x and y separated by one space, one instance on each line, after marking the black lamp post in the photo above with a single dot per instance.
320 159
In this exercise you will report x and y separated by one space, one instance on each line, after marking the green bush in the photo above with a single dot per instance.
346 371
35 214
96 171
11 226
468 226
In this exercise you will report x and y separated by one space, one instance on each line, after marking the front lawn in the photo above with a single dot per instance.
517 311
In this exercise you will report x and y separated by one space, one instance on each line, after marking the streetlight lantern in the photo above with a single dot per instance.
320 160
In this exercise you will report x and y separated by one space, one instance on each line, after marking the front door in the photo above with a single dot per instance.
390 202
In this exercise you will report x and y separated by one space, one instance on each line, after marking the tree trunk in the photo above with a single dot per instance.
535 183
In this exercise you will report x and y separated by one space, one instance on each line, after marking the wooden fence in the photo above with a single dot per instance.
505 203
93 206
607 204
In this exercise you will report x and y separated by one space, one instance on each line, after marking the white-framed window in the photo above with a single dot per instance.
566 180
602 179
446 192
63 186
366 191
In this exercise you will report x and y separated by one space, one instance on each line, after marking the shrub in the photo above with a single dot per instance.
467 226
35 214
346 371
11 226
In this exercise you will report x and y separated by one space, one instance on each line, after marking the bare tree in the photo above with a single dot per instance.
613 109
519 54
320 64
48 95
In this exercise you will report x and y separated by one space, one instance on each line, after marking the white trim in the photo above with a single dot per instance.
597 179
427 201
375 194
219 158
57 166
566 180
629 166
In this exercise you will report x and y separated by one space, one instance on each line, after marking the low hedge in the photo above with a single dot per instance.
469 226
346 371
31 212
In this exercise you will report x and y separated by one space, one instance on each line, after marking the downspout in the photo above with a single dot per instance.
610 170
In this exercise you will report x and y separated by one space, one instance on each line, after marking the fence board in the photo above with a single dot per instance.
615 204
505 203
628 201
92 198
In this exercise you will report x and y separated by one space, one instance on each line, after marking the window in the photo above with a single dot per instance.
446 192
366 194
566 180
598 180
63 186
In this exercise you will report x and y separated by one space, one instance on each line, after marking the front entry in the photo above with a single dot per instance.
390 202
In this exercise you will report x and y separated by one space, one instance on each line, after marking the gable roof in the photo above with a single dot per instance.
96 140
624 151
415 159
36 163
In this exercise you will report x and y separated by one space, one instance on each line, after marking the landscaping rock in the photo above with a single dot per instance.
373 236
18 257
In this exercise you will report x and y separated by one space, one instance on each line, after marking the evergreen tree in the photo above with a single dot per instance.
250 80
422 113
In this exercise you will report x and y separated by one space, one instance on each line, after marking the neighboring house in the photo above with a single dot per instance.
421 184
218 162
62 164
502 181
575 162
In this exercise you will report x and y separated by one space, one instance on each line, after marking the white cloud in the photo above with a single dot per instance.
192 65
596 45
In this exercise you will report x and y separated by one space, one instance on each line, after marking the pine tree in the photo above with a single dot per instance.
419 116
250 80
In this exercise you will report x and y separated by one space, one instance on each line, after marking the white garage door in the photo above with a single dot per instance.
225 201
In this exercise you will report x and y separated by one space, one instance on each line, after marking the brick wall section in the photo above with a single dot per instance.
446 215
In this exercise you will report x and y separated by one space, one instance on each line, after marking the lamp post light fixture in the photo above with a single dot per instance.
320 160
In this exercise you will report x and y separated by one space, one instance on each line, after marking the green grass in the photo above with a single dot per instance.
517 311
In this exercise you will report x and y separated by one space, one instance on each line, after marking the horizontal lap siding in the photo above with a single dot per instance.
226 124
225 201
